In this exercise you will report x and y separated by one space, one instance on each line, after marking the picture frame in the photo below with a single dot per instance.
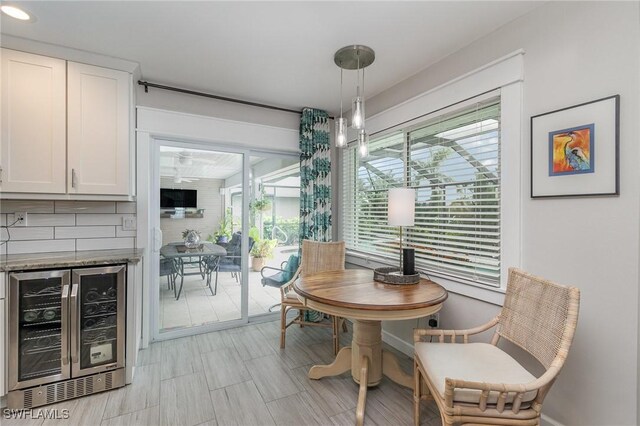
575 150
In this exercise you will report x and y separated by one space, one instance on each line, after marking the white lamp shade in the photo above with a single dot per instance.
402 206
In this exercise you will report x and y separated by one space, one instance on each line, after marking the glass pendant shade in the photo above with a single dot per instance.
363 143
357 119
341 132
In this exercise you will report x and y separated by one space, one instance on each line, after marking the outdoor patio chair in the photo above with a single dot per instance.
481 384
282 276
316 257
168 269
231 262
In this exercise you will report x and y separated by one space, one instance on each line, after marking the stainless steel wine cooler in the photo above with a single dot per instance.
66 334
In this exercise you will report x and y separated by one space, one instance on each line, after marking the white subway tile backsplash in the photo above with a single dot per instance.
35 206
104 243
47 219
63 232
122 233
100 219
125 207
27 233
85 207
54 226
40 246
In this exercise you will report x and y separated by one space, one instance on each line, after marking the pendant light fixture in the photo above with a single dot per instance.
354 57
341 123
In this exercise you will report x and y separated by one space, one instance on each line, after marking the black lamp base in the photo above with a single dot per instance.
408 261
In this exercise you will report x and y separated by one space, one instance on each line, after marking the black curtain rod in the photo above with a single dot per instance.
147 84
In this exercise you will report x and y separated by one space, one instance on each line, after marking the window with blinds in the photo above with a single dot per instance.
453 162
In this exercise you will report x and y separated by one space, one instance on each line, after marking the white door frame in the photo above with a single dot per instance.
153 222
201 132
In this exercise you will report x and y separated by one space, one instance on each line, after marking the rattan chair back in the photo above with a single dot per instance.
539 316
320 257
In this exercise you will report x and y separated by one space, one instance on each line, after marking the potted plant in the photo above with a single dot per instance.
225 228
260 204
191 238
261 251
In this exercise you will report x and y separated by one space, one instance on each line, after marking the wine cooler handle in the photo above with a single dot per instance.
64 319
74 324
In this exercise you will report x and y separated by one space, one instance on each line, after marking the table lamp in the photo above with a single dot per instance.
401 212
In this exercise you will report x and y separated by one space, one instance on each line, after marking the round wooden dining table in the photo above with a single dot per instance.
353 294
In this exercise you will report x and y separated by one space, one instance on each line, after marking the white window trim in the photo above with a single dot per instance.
505 74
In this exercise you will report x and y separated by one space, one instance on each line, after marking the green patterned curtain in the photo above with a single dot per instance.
315 176
315 182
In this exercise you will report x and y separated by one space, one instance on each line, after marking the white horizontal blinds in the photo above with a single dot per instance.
454 165
366 184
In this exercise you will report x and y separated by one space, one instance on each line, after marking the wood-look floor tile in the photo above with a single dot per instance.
185 400
180 360
146 417
35 420
240 405
299 409
211 422
143 393
85 411
333 394
251 344
223 368
348 418
273 380
150 355
213 341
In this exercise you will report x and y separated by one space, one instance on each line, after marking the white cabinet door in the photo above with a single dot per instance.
33 123
98 130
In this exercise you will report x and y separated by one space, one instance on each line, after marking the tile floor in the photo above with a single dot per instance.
197 306
241 377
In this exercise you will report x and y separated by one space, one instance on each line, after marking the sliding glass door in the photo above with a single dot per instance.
221 215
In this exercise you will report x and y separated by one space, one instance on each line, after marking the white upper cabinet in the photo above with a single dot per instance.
33 123
98 128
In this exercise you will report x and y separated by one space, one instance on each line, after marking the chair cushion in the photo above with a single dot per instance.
290 268
472 362
291 298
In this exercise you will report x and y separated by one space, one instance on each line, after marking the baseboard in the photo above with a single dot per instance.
548 421
407 349
399 344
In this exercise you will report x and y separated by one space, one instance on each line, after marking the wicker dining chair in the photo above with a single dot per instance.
478 383
316 257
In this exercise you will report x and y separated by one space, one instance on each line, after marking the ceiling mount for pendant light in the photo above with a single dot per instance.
355 57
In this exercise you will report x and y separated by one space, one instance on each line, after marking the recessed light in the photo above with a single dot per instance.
15 12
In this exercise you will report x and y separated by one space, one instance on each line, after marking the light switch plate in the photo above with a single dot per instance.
128 223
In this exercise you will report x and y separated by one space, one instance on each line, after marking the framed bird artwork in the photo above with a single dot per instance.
575 150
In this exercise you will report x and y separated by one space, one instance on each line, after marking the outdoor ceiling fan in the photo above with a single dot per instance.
177 177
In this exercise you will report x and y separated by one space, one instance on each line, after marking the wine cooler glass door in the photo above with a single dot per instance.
38 323
97 319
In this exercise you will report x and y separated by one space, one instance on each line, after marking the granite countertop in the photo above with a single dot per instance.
66 259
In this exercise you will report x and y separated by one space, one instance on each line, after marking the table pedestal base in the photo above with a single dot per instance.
367 361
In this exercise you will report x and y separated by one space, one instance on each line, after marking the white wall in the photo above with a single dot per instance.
575 52
173 101
209 199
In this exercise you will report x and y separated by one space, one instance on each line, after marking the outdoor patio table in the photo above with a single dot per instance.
179 254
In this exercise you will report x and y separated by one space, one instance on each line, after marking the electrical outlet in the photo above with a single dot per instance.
20 218
433 321
128 223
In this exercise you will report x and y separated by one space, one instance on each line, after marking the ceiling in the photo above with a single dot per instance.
279 53
182 163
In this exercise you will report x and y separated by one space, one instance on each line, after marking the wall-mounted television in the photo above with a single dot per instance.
178 198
